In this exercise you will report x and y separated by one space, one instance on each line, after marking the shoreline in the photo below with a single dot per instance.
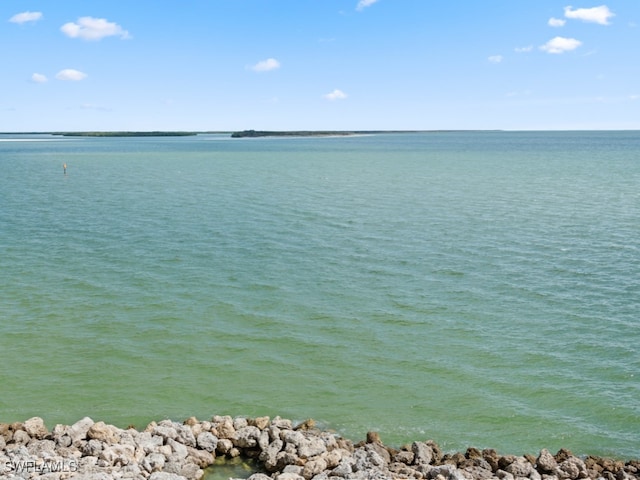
170 450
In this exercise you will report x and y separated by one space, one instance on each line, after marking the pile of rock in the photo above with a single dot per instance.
169 450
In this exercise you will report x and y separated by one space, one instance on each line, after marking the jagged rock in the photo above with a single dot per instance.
520 467
78 431
207 441
153 462
20 437
310 447
314 467
247 437
36 428
103 432
422 453
546 463
261 422
165 476
572 468
170 450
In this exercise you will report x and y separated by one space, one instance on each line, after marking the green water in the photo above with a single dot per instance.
473 288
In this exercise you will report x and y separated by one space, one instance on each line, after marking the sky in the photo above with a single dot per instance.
226 65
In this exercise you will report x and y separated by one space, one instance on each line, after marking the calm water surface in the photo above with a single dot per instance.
473 288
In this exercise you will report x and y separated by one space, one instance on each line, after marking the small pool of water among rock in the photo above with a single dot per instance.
238 467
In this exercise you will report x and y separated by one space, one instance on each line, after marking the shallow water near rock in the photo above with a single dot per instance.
476 288
226 468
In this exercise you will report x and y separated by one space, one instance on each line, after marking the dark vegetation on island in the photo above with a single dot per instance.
309 133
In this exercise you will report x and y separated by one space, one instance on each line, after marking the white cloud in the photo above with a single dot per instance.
71 74
89 28
266 65
362 4
336 95
556 22
25 17
634 97
600 14
38 78
561 45
528 48
495 58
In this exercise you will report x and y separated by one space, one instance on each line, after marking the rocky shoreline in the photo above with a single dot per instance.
169 450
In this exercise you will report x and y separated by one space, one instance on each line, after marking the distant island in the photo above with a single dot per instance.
126 134
300 133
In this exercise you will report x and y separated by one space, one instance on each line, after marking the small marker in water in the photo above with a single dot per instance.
64 167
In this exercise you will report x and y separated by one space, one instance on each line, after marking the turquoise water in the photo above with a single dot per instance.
472 288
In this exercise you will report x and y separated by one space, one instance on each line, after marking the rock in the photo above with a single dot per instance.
422 453
261 422
224 446
166 476
247 437
20 437
78 431
259 476
225 428
572 468
36 428
546 463
310 447
314 467
103 432
520 467
153 462
207 441
289 476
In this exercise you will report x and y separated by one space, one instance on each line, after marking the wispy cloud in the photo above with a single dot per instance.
266 65
362 4
496 58
89 28
561 45
336 95
70 74
526 49
600 14
634 97
25 17
39 78
556 22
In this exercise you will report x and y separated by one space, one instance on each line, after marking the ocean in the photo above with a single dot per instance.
474 288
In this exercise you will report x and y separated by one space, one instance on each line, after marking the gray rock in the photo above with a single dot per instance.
185 435
289 476
545 462
165 476
422 453
520 467
178 448
572 468
207 441
310 447
247 437
259 476
224 446
269 456
314 467
78 431
153 462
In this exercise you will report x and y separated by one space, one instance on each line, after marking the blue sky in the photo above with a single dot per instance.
319 64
